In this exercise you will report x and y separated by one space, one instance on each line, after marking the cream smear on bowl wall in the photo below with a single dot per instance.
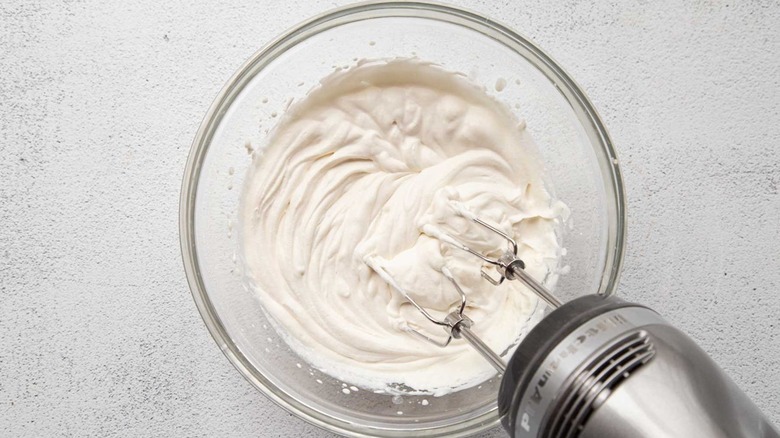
359 170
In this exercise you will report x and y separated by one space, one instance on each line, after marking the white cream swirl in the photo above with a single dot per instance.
355 171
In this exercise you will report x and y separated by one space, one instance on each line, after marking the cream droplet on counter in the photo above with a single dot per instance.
521 125
500 84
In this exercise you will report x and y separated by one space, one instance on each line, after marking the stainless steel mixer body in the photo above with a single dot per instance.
601 368
597 367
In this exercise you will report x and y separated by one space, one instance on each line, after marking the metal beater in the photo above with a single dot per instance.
456 324
596 367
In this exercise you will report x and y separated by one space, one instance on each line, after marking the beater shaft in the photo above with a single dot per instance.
536 287
482 348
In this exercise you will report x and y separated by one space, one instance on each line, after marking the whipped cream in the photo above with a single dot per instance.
358 171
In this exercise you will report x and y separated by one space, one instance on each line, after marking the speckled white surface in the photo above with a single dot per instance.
99 102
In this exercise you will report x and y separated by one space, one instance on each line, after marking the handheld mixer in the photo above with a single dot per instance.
596 367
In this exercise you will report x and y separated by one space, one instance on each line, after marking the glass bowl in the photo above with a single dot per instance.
581 170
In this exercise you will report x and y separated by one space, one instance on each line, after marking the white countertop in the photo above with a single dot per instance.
99 102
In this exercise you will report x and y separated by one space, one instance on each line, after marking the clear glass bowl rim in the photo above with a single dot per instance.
360 11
